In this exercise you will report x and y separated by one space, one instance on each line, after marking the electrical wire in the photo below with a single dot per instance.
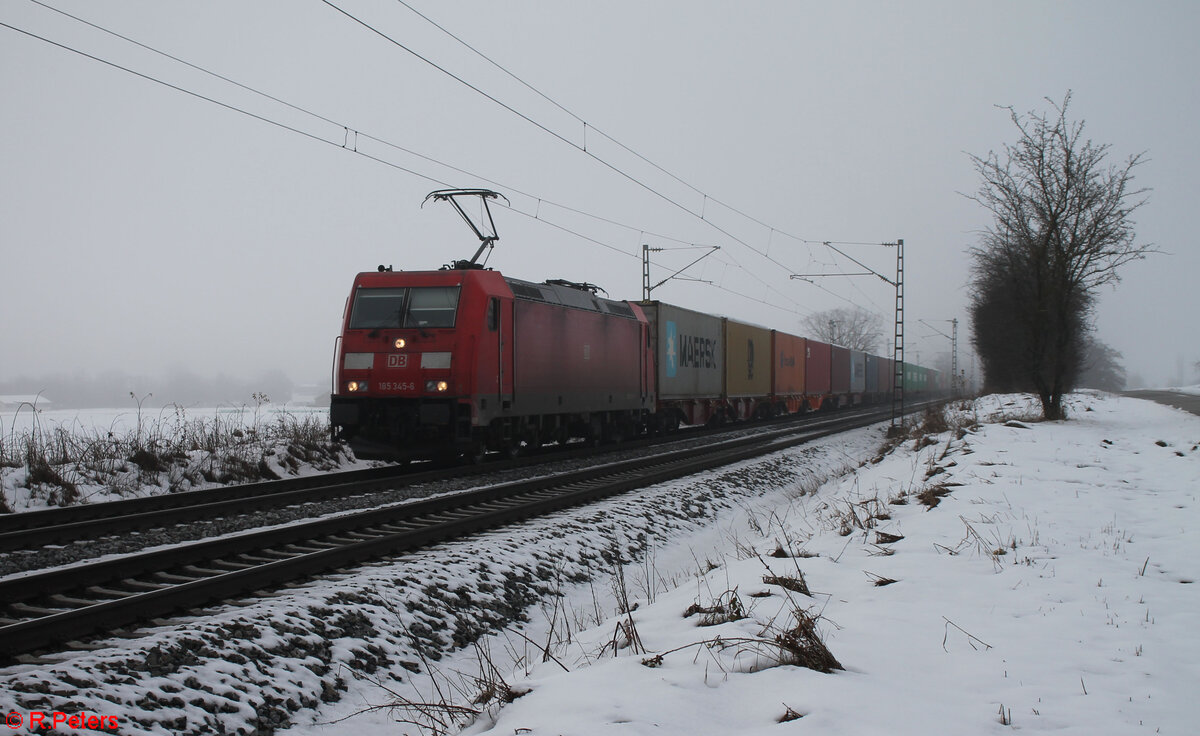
620 144
552 133
217 102
347 130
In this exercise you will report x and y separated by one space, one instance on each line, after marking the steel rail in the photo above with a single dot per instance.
34 529
64 604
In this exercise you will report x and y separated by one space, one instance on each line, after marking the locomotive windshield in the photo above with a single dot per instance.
429 306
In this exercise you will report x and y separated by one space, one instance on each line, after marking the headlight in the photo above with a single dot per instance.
356 386
400 342
437 386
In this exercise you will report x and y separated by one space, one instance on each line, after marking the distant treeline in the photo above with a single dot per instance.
178 386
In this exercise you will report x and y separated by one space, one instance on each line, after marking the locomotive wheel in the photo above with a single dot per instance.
475 454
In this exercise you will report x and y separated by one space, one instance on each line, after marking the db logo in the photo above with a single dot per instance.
398 361
14 719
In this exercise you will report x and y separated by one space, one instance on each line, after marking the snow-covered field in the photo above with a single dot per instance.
68 456
19 420
1050 589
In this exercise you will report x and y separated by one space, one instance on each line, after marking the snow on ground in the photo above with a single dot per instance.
65 457
261 665
1051 588
1194 390
17 420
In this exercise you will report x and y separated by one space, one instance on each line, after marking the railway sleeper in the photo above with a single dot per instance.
173 578
256 559
347 538
306 548
204 572
143 586
72 602
34 611
399 527
232 565
442 517
317 545
363 535
111 593
492 506
543 493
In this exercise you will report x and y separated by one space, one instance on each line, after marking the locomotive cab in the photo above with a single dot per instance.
408 379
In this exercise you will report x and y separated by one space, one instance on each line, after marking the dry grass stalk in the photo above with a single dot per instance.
933 495
886 538
728 607
802 646
878 580
795 584
791 714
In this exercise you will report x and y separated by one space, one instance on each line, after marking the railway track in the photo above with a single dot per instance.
45 608
33 529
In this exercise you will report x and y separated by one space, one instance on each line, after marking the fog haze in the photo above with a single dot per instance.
147 231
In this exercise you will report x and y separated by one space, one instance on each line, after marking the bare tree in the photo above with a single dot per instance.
852 327
1062 226
1102 368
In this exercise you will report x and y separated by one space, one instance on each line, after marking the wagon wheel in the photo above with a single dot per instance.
475 454
533 438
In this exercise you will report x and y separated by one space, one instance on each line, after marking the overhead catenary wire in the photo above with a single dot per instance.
350 134
616 169
215 101
344 144
348 130
591 126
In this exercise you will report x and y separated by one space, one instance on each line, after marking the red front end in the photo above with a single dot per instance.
418 353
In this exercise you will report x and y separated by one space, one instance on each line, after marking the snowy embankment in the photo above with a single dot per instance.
1049 588
66 457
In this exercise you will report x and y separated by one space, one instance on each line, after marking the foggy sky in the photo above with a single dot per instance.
146 230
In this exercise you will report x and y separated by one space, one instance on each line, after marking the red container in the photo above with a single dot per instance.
817 363
789 353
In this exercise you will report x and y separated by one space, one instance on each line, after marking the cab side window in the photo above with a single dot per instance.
493 314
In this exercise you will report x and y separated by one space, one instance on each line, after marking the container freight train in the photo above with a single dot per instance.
464 360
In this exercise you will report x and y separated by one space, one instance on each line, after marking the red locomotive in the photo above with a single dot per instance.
462 360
